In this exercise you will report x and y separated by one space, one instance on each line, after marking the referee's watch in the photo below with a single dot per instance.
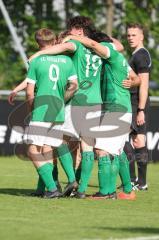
140 110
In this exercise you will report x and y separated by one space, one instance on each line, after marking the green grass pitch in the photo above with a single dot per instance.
23 217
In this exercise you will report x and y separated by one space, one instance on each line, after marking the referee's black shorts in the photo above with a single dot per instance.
136 129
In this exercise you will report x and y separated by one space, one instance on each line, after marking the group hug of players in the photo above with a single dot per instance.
77 89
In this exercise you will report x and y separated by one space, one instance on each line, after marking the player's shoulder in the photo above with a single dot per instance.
109 45
142 52
63 56
76 43
39 60
34 61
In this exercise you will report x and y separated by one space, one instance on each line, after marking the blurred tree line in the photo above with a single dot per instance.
110 16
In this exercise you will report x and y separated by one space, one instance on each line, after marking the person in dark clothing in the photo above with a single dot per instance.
140 62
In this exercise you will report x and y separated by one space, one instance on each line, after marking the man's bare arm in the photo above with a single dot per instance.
14 92
71 89
143 95
56 49
118 45
30 95
143 89
97 47
88 42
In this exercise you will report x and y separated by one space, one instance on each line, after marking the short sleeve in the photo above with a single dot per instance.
142 62
31 74
112 52
75 43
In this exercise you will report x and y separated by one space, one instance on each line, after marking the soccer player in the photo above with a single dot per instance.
47 79
73 145
140 62
118 105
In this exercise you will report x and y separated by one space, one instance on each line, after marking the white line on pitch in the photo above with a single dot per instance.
134 238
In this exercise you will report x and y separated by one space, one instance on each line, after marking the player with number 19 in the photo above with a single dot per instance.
116 112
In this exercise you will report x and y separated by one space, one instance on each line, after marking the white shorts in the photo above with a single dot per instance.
68 126
79 120
43 133
116 126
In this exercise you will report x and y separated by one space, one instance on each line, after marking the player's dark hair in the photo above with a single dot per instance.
80 22
98 36
44 37
62 35
135 25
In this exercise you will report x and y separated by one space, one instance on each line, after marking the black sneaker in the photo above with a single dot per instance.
135 186
80 195
69 188
54 194
73 193
113 196
37 194
99 196
142 188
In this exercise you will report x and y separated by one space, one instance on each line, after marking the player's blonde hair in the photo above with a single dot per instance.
45 36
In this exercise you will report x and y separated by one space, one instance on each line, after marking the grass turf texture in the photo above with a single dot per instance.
25 217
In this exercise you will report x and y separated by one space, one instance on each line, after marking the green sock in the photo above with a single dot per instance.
45 172
104 169
86 169
66 161
114 174
40 185
78 173
55 174
125 172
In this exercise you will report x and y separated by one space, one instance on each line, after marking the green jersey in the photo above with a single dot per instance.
116 69
50 75
88 68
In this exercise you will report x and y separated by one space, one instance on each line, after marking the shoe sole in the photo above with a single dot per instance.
131 199
126 198
50 197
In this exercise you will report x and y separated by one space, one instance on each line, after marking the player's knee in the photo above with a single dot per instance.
46 149
32 150
138 142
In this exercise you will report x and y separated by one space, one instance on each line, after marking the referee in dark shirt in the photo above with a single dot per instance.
140 62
